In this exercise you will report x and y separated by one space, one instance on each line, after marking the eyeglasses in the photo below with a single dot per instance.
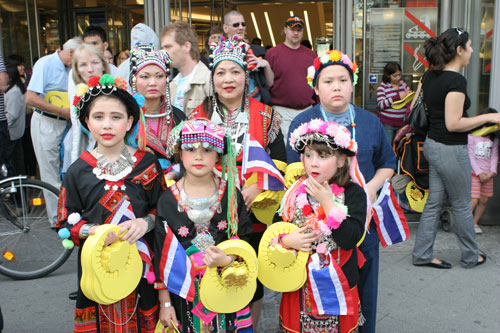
237 24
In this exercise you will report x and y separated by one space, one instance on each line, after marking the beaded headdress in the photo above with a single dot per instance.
335 136
229 49
107 85
332 57
196 133
145 55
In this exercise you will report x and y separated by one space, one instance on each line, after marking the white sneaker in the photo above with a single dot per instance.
477 230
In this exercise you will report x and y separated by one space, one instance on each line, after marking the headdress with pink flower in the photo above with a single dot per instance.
332 57
335 136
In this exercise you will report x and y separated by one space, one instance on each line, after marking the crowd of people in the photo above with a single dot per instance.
170 130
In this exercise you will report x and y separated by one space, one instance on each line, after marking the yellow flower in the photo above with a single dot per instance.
335 55
81 89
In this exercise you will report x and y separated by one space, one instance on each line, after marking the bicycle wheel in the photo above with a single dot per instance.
29 246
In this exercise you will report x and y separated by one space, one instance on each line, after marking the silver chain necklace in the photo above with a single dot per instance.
114 171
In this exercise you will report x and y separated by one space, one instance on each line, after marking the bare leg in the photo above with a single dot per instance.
255 309
474 205
481 206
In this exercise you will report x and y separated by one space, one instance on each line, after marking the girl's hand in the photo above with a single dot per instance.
132 230
299 241
110 238
167 316
483 177
321 192
249 195
215 257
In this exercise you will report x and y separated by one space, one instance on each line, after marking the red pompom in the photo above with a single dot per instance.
94 81
76 100
307 210
317 63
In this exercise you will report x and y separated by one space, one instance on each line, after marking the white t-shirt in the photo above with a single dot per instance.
183 85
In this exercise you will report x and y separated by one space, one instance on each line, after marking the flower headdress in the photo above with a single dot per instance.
108 85
145 55
335 136
196 133
332 57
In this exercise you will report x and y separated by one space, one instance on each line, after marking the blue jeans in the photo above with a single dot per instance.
390 131
449 173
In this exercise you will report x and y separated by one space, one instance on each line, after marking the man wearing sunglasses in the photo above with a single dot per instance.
261 77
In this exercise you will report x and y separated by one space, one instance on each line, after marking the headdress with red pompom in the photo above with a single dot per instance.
332 57
107 85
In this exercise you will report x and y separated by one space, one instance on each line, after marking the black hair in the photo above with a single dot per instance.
14 78
119 94
94 30
441 50
256 41
389 69
493 135
14 59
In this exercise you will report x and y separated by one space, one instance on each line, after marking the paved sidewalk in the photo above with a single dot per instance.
411 299
425 299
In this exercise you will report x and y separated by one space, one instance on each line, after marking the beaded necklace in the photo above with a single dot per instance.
351 114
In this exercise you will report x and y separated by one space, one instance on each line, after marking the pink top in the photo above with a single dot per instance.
483 154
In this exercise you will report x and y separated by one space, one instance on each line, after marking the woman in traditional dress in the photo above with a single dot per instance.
95 187
149 68
232 108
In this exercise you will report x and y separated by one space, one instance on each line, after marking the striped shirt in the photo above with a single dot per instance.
386 95
3 116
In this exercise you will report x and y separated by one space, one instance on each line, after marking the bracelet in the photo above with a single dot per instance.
85 229
150 221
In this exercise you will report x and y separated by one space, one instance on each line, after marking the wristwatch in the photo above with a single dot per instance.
167 304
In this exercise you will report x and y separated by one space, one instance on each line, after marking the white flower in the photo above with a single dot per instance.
311 72
74 218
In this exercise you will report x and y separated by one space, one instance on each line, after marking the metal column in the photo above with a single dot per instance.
157 14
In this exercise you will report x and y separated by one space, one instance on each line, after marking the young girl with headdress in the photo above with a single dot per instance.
149 69
330 211
97 185
232 108
196 209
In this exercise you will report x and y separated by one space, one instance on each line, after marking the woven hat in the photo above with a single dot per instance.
229 49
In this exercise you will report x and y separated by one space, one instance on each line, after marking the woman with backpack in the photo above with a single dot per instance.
445 94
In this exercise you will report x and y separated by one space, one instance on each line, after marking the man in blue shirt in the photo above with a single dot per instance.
48 94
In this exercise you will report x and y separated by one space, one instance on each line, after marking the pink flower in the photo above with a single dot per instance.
337 189
321 248
324 228
222 225
315 124
343 139
183 231
332 129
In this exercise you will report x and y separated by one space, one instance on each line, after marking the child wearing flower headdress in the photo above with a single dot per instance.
96 185
196 209
333 77
330 211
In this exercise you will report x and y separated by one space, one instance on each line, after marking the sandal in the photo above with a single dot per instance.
481 262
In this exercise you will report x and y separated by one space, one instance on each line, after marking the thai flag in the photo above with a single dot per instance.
392 226
329 288
176 270
256 159
125 213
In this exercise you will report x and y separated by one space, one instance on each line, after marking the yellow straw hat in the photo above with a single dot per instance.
281 269
109 273
234 287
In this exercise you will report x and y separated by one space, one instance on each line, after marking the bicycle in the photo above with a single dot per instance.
29 245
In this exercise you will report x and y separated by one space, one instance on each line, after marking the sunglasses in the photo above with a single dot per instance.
237 24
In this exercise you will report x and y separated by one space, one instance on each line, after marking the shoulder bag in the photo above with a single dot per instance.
418 117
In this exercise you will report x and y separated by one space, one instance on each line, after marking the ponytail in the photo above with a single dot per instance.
441 50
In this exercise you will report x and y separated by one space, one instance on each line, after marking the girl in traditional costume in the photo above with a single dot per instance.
330 211
97 185
232 108
149 69
196 210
